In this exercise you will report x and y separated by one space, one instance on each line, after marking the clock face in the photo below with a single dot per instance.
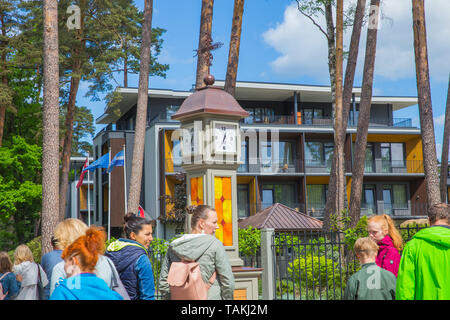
225 139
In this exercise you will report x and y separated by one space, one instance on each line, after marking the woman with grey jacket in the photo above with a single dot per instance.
201 246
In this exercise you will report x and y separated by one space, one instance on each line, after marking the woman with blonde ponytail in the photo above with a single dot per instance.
382 230
80 259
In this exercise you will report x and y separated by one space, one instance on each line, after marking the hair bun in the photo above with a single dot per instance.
191 209
128 216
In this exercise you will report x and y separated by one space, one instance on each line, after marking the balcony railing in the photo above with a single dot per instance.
317 166
393 166
275 119
261 166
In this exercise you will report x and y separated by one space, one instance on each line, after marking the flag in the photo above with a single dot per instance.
142 213
118 161
80 181
102 162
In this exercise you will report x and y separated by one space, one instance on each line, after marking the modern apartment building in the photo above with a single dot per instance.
286 152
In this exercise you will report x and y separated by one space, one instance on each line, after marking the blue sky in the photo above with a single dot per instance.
279 45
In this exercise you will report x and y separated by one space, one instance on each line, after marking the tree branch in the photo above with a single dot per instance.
310 18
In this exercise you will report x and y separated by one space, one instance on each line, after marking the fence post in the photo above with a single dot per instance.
268 281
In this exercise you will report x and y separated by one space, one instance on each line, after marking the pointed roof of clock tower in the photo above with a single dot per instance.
210 100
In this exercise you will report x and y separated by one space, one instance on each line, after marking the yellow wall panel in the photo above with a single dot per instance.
317 179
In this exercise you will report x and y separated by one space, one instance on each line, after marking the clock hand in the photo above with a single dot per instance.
224 137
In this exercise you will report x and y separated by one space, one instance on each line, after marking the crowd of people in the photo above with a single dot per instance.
81 267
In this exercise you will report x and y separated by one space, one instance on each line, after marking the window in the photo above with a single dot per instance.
368 198
310 114
317 196
392 155
278 193
319 154
260 115
271 162
244 156
170 111
243 201
394 197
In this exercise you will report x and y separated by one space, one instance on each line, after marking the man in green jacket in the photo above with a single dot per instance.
424 272
371 282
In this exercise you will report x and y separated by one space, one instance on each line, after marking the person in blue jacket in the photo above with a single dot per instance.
130 256
10 282
80 259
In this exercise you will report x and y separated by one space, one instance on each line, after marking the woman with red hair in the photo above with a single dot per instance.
382 230
80 259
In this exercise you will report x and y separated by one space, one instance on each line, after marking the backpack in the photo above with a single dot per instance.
3 295
186 283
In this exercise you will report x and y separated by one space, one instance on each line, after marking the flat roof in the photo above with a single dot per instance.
246 90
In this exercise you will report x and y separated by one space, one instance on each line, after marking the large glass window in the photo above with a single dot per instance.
244 156
368 198
278 193
309 114
271 162
394 197
392 155
170 111
319 154
243 201
316 194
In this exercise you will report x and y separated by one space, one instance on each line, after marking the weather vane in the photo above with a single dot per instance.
207 48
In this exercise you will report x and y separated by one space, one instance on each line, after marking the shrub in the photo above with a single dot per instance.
315 272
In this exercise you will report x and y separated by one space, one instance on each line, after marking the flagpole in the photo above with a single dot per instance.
89 193
125 178
109 198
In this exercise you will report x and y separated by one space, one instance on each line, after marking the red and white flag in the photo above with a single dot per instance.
80 181
142 213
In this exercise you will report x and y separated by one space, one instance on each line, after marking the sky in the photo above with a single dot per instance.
280 45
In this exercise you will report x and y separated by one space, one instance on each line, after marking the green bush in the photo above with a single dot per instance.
249 241
315 271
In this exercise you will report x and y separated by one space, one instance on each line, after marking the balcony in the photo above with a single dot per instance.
393 166
273 119
314 166
292 166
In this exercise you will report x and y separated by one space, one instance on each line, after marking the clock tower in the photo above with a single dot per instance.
211 147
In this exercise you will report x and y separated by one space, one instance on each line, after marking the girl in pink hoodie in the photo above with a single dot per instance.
382 230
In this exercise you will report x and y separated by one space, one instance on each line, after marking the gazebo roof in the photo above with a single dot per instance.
281 218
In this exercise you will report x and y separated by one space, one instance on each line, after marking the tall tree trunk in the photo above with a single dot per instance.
70 115
4 78
364 112
445 147
141 113
67 146
235 42
331 42
125 72
50 159
330 206
205 34
338 142
425 106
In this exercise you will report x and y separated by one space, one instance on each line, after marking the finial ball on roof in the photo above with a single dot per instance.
209 80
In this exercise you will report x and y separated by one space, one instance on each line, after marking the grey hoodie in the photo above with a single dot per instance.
209 252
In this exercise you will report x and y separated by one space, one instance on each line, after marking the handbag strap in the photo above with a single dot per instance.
114 282
4 275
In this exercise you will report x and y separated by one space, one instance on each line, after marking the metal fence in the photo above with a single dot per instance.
309 265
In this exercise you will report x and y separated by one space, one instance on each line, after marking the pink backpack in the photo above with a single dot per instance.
186 283
2 295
